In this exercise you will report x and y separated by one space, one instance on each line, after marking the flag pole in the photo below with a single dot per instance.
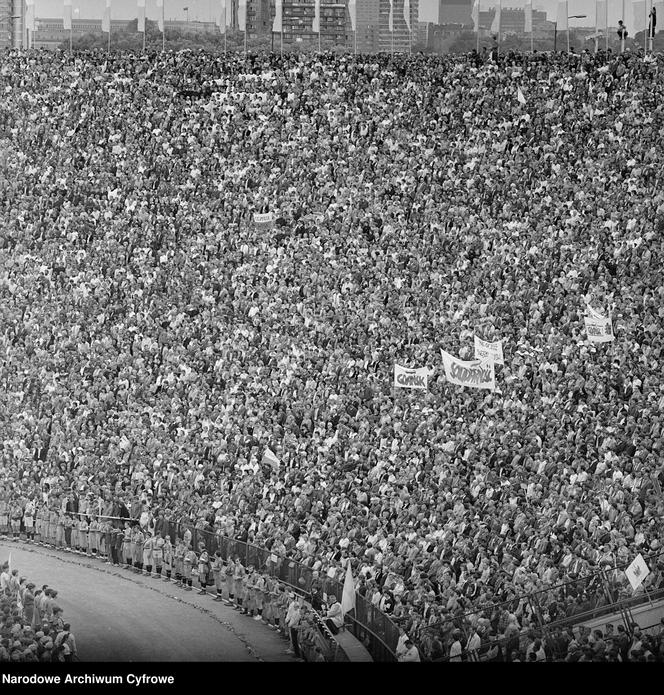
479 7
532 37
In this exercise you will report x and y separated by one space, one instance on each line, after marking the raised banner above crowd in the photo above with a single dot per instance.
478 374
263 217
405 378
485 349
599 330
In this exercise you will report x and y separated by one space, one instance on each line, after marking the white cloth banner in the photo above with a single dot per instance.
263 217
637 572
278 23
599 330
405 378
485 349
477 374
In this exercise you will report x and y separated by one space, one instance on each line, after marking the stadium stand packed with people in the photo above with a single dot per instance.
158 338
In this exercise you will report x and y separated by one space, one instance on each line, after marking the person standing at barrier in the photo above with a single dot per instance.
238 582
269 596
168 558
93 536
73 535
126 545
4 516
248 592
16 518
229 573
148 546
203 567
83 535
217 567
60 531
293 617
137 539
282 604
188 562
158 551
178 558
29 520
259 595
69 525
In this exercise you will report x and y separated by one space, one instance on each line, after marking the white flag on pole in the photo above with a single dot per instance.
278 24
242 15
561 16
637 572
352 9
495 25
348 596
406 12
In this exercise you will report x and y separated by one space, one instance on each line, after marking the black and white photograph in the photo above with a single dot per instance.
331 331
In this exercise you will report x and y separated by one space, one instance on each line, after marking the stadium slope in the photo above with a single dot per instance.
117 616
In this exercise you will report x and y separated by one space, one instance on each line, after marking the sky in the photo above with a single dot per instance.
204 10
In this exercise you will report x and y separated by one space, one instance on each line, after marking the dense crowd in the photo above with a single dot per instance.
32 627
155 340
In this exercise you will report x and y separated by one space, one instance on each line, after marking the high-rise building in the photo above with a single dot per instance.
298 23
366 28
399 39
11 30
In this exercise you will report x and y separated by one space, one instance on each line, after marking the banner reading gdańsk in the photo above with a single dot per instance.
476 374
599 330
485 349
405 378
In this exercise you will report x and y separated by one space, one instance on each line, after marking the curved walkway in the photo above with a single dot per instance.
118 616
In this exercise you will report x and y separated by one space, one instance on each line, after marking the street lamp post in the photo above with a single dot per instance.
555 29
3 19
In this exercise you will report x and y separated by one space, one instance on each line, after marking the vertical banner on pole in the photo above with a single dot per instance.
160 15
106 19
495 25
528 17
66 19
141 16
242 15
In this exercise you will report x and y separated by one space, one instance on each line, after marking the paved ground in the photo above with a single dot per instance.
119 616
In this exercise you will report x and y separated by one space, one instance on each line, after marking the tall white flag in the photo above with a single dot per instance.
160 15
348 595
475 15
66 20
242 15
390 19
141 16
316 23
106 19
278 24
495 25
406 12
561 16
528 15
352 9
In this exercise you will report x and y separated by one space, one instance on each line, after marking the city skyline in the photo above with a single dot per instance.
206 10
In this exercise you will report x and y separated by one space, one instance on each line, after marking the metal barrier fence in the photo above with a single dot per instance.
369 625
601 593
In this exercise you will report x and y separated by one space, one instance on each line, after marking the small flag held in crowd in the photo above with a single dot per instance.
270 458
519 95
